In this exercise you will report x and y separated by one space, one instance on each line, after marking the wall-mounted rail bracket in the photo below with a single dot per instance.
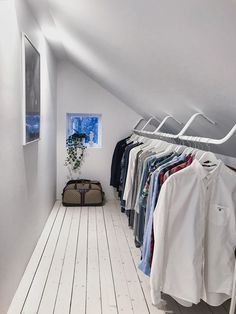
186 126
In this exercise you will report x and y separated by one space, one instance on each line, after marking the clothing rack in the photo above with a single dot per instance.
161 124
181 135
149 122
210 140
156 134
138 123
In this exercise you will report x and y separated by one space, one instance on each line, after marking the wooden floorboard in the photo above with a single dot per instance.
93 273
52 283
108 296
86 262
32 267
123 298
63 301
135 290
79 290
36 290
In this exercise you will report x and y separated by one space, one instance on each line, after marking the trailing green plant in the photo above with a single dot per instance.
75 153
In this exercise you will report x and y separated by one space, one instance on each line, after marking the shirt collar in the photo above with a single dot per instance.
203 172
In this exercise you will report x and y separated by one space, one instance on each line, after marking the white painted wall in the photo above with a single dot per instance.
77 93
160 57
28 174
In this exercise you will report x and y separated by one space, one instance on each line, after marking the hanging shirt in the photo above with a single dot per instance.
161 159
181 166
116 163
127 196
195 236
141 156
150 166
144 265
139 216
124 169
154 187
171 169
146 170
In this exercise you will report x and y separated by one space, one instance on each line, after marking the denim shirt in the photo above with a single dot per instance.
151 166
148 161
144 265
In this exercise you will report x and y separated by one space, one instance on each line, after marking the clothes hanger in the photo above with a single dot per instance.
191 150
147 144
169 147
153 143
199 152
156 147
161 146
180 148
132 138
188 150
208 158
139 139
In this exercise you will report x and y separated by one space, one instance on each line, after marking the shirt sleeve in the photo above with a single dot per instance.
160 220
129 178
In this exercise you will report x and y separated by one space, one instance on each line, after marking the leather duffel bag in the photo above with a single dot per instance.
83 193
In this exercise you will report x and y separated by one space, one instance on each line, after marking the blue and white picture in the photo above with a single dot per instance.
32 92
88 124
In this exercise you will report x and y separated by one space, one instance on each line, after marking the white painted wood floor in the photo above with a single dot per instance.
86 262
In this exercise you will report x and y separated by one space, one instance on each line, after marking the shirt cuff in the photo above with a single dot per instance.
157 300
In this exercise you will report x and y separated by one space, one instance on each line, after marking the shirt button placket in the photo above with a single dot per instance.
206 204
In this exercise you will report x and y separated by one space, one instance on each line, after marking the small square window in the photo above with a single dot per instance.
88 124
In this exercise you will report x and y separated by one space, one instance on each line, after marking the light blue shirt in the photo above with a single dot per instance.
144 265
149 165
147 168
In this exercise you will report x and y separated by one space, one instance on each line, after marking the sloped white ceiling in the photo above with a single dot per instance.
158 56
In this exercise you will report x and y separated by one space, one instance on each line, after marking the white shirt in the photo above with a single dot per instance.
195 236
127 196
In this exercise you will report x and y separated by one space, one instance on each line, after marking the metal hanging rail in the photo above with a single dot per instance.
181 136
209 141
142 130
149 122
135 127
186 127
162 123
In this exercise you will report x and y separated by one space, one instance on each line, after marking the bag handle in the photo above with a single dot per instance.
83 181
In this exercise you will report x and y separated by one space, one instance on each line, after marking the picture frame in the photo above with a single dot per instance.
31 91
89 124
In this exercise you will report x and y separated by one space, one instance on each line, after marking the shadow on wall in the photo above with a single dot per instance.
31 166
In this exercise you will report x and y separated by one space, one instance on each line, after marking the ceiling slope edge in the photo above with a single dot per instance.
178 90
105 85
48 24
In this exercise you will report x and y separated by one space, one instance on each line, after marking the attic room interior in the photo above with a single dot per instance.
118 159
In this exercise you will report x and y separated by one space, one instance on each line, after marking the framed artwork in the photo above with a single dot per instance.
31 92
88 124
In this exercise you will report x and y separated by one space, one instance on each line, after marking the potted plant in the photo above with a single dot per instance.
75 154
